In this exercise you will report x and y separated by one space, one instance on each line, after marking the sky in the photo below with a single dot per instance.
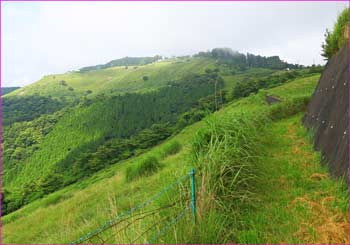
41 38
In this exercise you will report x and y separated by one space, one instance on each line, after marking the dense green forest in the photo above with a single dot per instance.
26 108
242 61
21 139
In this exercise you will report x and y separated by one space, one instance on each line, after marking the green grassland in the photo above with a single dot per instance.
258 181
304 87
115 79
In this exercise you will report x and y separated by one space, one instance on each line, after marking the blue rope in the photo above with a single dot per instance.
130 211
168 225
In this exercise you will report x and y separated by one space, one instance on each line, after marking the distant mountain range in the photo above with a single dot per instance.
6 90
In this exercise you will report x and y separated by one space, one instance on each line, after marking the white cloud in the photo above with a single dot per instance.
53 37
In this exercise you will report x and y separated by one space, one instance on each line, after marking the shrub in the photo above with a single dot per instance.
335 39
55 199
171 149
288 108
189 118
145 167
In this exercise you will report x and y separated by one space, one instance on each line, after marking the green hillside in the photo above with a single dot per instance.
6 90
273 153
66 127
201 149
126 61
121 79
88 125
54 92
84 146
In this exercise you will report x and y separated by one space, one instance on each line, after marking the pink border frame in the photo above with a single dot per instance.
348 44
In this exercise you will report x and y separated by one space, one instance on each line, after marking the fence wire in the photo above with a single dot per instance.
123 219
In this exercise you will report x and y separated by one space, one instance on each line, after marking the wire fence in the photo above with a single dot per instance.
145 218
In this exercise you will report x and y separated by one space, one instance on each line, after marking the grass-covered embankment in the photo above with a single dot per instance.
297 200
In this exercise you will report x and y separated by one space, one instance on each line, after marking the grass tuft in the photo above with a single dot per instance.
144 167
171 148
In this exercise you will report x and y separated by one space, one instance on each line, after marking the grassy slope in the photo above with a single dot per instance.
57 145
298 200
291 165
299 88
116 79
230 80
44 221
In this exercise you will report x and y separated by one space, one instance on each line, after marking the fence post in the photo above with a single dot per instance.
193 196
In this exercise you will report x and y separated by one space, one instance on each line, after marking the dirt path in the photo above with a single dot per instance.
298 202
272 100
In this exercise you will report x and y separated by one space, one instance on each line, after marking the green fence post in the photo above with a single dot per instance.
193 196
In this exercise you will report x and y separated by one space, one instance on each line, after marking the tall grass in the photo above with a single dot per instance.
171 148
144 167
226 153
289 107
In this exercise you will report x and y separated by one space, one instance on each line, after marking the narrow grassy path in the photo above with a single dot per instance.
298 202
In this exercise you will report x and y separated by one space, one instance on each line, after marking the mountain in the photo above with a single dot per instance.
81 147
82 207
66 127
